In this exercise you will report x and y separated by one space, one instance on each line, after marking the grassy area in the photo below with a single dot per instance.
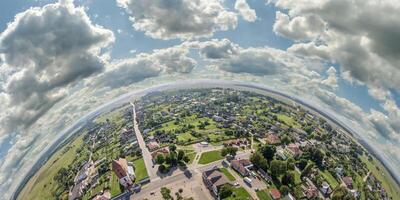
185 137
209 157
297 179
227 174
288 120
329 178
115 188
239 193
42 185
140 169
263 195
191 157
382 175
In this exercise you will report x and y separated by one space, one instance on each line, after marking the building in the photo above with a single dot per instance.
242 166
275 194
294 149
311 193
153 146
272 139
163 151
214 179
123 172
348 181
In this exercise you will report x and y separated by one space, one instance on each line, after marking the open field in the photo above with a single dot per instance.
209 157
115 188
140 170
42 184
239 193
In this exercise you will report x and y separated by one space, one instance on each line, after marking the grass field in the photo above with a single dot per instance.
209 157
227 174
140 169
297 179
263 195
330 179
41 185
239 193
383 175
115 189
288 120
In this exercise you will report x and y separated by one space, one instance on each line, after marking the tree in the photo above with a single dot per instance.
302 163
341 193
307 170
162 168
290 164
181 154
286 139
160 159
259 161
229 151
284 190
172 148
317 156
288 178
268 151
166 193
278 167
225 191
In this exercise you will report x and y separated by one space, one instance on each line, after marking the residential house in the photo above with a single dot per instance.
294 149
348 181
123 172
242 166
275 194
153 146
272 139
214 179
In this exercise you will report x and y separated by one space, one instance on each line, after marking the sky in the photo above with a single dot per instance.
59 60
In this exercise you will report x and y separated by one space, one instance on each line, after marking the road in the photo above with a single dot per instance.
152 172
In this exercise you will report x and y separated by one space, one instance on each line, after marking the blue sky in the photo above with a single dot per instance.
314 54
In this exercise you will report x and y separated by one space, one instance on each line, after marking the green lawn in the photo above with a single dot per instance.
263 195
42 184
115 188
140 170
191 157
297 179
185 137
329 178
209 157
288 120
227 174
382 175
239 194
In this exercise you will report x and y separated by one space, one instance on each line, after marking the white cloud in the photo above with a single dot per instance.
182 19
245 11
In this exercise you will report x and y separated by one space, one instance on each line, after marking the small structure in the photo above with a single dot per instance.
242 166
163 151
123 172
214 179
275 194
348 181
272 139
294 149
325 189
311 193
153 146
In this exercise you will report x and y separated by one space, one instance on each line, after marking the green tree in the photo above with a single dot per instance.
225 191
302 163
160 159
181 154
341 193
166 193
288 178
172 148
278 167
268 151
284 190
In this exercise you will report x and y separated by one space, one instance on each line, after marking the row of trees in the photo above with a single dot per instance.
174 158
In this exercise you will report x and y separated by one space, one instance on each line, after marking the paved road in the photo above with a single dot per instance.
152 172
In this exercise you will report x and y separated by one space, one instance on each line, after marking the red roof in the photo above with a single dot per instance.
348 180
275 194
273 139
120 167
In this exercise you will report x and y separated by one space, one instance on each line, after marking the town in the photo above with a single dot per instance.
216 144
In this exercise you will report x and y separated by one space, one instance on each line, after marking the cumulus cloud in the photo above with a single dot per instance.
365 43
245 11
331 80
182 19
48 49
146 65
